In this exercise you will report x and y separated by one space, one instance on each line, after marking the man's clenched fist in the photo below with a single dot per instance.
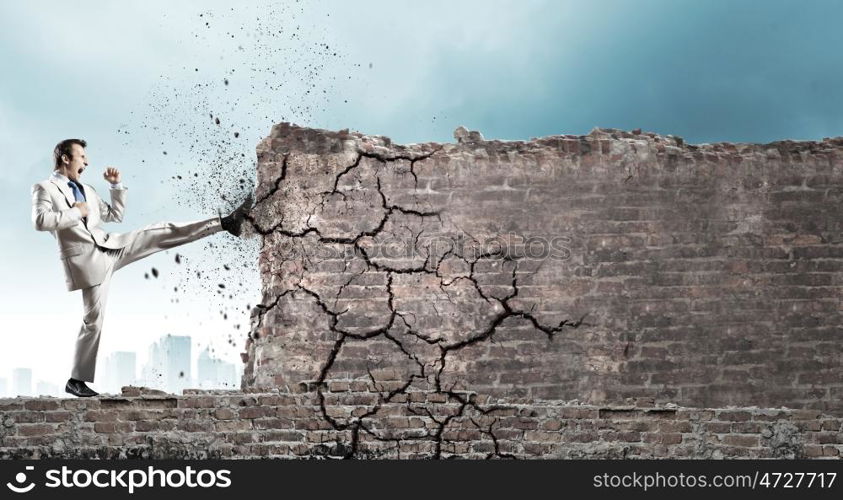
83 207
112 175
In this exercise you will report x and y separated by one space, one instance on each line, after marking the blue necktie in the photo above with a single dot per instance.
78 193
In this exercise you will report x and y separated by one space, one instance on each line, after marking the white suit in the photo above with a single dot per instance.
90 255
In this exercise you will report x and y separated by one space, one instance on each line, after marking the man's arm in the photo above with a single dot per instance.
113 212
45 218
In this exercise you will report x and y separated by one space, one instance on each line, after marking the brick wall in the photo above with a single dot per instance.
615 295
229 424
598 268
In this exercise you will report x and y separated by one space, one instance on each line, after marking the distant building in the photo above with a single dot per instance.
213 373
120 370
168 366
152 374
43 388
21 382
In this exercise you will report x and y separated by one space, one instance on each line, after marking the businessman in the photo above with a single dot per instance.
73 213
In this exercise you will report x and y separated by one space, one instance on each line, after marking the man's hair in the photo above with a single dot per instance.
65 147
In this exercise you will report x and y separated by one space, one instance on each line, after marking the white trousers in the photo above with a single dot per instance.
142 243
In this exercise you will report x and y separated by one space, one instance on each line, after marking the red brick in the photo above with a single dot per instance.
225 414
742 440
42 404
35 429
113 427
197 402
100 416
58 416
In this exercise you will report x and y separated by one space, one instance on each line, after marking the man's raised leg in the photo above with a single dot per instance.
163 236
143 242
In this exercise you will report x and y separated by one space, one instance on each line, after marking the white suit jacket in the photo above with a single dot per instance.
52 210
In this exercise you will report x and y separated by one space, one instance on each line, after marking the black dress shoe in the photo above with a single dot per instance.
233 222
79 389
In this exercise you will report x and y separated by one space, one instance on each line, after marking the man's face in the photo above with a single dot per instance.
77 162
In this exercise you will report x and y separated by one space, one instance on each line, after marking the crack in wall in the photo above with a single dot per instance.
277 185
424 372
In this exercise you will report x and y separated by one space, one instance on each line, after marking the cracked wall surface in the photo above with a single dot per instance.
603 268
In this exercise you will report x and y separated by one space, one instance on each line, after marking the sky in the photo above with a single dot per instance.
137 79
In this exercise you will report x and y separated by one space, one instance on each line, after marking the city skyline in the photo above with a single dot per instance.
169 366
